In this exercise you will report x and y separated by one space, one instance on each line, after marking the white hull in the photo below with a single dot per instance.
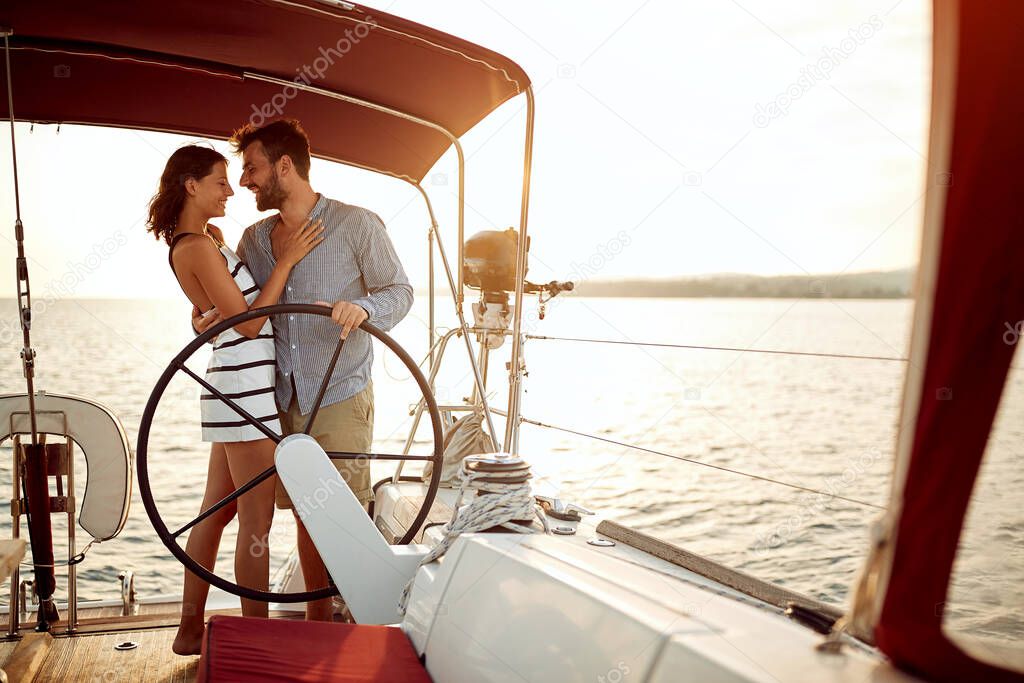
511 607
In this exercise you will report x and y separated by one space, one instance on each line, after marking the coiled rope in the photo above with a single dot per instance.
502 495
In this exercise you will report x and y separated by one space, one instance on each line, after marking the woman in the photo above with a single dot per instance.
193 189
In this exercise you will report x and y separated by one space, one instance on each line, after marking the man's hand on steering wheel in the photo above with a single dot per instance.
347 314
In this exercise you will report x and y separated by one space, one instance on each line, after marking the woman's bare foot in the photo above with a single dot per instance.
189 640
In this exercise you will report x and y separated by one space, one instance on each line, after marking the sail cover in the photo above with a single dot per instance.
971 283
193 67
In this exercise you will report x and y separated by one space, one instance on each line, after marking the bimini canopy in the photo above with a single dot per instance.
204 68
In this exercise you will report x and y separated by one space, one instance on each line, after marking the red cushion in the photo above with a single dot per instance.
240 649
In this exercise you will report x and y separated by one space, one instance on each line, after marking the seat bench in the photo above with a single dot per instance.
240 649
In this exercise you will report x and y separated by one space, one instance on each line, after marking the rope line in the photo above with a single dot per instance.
494 504
759 477
77 559
716 348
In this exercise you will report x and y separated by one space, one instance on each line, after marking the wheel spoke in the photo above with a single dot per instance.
323 386
269 433
171 540
241 490
348 455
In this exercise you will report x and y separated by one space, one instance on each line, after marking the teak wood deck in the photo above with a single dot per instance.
89 655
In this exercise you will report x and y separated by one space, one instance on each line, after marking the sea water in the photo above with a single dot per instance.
826 424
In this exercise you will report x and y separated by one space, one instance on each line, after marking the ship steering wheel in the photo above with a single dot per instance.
169 538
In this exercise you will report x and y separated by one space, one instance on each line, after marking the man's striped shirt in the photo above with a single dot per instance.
355 262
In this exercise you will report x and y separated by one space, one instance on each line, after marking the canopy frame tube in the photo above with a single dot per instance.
516 366
435 363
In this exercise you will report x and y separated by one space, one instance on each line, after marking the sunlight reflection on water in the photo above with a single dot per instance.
826 424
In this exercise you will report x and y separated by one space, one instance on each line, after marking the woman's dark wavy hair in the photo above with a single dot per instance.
191 161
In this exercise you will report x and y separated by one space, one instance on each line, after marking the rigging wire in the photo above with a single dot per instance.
28 354
759 477
10 111
715 348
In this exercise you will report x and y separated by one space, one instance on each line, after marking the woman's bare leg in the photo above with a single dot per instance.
203 541
246 459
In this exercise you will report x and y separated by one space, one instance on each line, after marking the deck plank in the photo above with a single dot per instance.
715 571
6 648
92 658
89 623
89 655
28 657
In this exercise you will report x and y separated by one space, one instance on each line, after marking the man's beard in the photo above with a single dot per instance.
270 196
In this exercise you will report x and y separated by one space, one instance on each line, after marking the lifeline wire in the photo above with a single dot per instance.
698 462
716 348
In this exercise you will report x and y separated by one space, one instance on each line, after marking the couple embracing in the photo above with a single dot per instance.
314 250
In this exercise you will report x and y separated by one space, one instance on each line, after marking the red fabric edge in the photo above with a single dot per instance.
248 648
980 287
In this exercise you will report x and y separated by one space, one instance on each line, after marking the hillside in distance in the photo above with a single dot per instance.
892 284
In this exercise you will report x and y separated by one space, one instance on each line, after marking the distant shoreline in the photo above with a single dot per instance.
443 293
895 284
865 297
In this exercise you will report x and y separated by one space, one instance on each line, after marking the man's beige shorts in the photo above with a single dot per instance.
344 426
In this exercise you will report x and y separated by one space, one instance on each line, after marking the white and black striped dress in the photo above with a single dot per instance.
242 369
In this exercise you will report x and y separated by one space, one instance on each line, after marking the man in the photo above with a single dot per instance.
355 267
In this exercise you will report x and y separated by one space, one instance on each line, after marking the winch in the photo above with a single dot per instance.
489 265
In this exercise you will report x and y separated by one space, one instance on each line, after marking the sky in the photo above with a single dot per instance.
672 139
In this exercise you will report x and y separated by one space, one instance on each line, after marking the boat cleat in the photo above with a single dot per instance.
566 512
128 605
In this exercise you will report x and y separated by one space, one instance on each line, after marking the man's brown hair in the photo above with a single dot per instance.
284 136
